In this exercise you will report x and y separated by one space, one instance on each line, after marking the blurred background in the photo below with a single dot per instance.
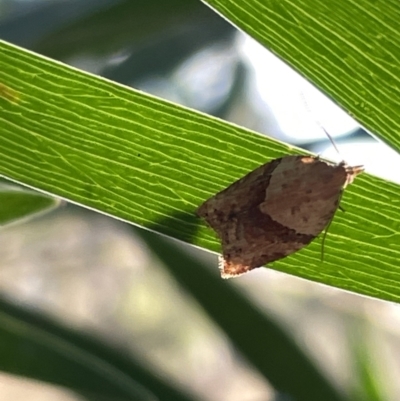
94 273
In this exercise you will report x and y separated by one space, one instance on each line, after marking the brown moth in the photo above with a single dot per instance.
275 210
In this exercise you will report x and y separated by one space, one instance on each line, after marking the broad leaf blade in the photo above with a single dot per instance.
349 49
152 163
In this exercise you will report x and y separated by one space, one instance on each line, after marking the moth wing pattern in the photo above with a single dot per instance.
304 194
275 210
242 195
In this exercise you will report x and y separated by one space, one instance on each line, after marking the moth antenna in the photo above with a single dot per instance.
330 139
308 109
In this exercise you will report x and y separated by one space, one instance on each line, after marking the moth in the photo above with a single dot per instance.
275 210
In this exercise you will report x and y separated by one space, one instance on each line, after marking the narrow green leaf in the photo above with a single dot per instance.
347 48
152 163
36 347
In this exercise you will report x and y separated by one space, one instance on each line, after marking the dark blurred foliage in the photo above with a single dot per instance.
183 51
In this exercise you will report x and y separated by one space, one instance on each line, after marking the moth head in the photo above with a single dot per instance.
352 172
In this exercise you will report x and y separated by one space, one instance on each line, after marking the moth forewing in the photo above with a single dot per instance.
275 210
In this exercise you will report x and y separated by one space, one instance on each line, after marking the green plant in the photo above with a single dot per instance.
150 162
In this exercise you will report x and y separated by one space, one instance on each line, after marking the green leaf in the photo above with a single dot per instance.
152 163
348 49
17 203
37 347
